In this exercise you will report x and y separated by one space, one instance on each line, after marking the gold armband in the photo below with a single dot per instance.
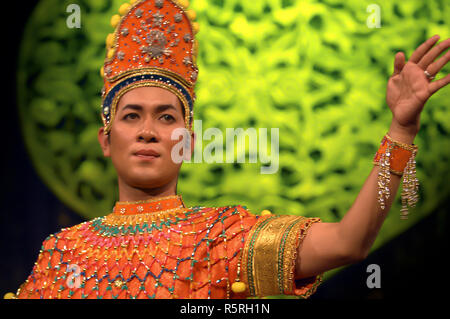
397 158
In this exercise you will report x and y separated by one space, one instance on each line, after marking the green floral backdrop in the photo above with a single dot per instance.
313 69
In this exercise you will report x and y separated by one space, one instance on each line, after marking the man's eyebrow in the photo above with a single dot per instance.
164 107
132 107
159 108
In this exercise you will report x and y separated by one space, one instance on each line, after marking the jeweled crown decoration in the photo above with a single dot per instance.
153 45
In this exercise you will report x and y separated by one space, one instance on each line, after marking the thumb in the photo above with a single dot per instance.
399 63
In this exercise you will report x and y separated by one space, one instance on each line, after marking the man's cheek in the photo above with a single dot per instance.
171 150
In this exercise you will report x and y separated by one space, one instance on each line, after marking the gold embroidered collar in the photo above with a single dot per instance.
151 206
132 213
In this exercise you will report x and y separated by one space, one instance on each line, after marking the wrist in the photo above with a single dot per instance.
402 134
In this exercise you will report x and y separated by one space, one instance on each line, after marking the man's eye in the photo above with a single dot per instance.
130 115
168 117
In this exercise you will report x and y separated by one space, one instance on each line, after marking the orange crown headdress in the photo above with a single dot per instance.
153 45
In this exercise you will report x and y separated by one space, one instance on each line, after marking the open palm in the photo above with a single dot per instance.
409 87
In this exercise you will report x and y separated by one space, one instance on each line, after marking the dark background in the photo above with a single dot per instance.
412 265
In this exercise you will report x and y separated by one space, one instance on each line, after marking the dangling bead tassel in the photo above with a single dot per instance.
238 286
384 178
410 187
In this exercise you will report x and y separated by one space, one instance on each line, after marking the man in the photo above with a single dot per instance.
152 245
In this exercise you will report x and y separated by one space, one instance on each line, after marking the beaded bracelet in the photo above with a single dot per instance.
399 159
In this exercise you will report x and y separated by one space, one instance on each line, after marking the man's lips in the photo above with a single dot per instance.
147 154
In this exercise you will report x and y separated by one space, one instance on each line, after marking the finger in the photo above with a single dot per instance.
436 85
399 63
423 48
431 55
435 67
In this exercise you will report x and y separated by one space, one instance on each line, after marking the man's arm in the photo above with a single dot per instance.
331 245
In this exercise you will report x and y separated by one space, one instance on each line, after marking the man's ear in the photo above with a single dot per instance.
104 143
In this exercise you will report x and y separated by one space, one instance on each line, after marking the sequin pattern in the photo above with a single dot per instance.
186 253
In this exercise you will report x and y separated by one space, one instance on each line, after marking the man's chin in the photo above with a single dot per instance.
148 181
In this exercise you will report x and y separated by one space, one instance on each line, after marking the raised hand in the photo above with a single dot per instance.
411 84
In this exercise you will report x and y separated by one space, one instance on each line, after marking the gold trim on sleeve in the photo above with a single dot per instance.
270 254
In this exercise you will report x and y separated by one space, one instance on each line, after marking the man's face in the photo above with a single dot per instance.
140 143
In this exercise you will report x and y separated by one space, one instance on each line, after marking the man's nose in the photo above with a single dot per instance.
148 132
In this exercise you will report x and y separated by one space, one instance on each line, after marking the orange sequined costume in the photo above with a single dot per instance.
161 249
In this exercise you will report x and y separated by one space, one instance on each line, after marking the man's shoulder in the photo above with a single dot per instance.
66 235
220 209
228 219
